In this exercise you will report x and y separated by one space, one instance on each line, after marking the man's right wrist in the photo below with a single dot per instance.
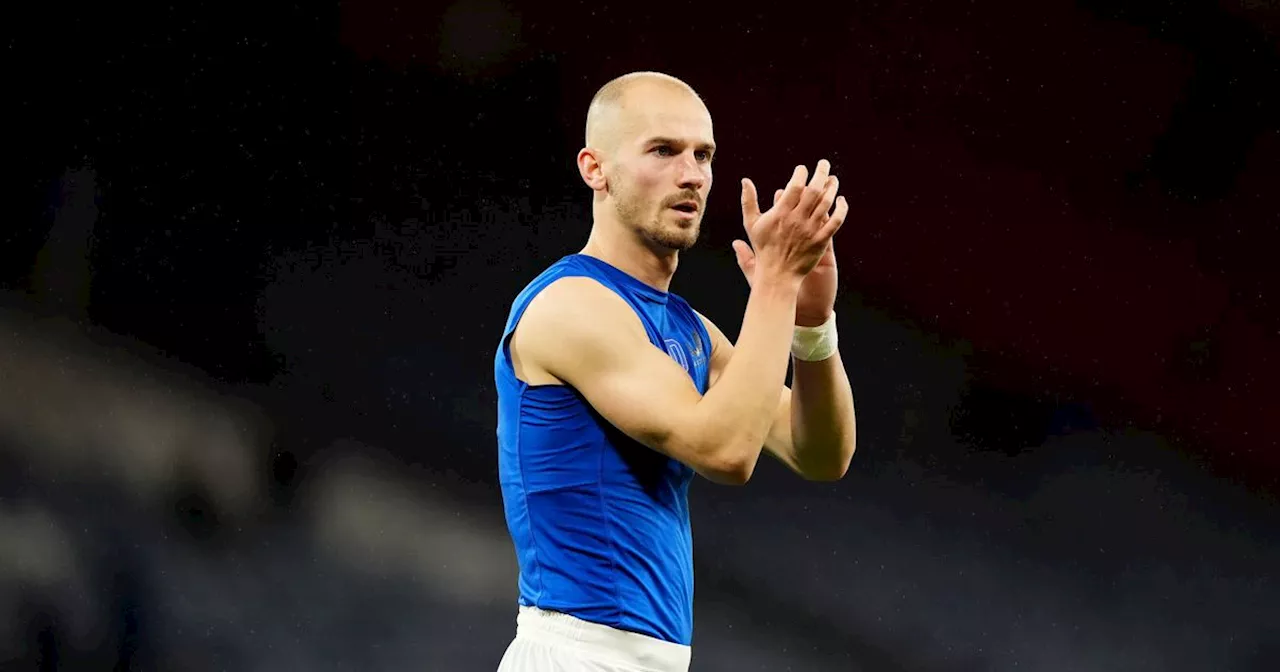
777 289
780 284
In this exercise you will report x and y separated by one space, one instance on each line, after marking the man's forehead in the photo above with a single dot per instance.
690 125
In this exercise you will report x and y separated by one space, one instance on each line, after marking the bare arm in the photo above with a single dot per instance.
813 428
822 419
584 335
579 333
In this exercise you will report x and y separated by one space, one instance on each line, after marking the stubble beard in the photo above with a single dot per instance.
656 229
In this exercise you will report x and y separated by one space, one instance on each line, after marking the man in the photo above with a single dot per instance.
613 392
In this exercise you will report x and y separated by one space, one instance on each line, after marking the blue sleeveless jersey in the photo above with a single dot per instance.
600 522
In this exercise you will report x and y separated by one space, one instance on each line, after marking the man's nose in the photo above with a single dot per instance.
691 174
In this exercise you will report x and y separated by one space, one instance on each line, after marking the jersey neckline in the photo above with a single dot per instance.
647 291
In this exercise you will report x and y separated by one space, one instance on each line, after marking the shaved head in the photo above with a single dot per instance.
608 118
649 146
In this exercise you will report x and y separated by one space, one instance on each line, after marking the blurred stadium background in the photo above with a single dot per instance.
256 260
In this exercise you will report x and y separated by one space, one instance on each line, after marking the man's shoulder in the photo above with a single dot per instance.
574 303
574 325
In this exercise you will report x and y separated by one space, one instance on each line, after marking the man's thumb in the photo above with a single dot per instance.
746 258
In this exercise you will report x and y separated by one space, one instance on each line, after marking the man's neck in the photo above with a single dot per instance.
633 257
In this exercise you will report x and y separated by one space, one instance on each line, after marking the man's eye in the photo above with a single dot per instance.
663 150
703 155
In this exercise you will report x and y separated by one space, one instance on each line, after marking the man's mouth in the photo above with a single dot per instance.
686 206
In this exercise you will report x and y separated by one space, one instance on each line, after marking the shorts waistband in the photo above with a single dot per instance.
553 627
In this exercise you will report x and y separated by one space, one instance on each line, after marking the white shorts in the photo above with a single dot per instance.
547 641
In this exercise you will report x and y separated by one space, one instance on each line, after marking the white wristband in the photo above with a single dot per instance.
814 344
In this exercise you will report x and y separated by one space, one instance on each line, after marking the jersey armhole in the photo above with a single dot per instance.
517 314
704 335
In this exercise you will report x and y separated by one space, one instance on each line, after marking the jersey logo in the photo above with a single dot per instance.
677 353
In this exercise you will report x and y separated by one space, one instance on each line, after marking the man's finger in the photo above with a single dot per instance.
777 196
837 218
750 207
820 173
746 258
812 194
828 198
795 187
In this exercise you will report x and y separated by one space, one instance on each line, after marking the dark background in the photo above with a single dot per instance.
256 259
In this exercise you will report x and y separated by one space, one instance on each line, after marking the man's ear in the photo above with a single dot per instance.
591 170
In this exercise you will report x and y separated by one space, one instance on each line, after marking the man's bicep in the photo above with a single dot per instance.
643 393
589 338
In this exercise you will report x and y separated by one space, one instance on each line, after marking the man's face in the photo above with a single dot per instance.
660 174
